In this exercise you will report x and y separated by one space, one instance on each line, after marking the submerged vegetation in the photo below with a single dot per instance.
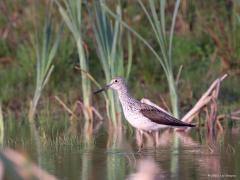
55 53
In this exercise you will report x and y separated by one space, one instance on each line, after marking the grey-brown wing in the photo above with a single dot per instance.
161 117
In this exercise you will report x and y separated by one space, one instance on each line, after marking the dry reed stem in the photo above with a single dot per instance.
208 99
235 115
210 96
219 126
97 127
74 109
86 109
97 113
72 112
65 106
165 104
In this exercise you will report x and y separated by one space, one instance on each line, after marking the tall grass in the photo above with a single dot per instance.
163 38
45 53
110 51
71 13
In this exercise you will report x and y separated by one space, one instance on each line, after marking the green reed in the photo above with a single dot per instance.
45 49
71 12
110 51
164 41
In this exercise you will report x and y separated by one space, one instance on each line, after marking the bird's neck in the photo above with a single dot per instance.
124 96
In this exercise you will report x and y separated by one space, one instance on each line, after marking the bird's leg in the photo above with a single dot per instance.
156 137
139 138
141 134
153 135
148 139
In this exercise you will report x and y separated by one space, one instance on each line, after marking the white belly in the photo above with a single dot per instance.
140 122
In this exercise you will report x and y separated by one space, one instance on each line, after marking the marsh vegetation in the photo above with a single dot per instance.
181 55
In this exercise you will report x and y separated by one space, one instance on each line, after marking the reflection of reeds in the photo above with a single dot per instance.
116 165
45 53
86 171
178 167
71 13
164 42
110 51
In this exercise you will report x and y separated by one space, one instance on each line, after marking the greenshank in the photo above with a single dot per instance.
142 116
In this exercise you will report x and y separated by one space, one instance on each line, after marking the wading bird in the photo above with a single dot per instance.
143 117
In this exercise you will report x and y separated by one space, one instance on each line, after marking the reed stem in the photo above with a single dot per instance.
72 16
108 35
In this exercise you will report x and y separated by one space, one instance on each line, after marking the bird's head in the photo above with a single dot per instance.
117 83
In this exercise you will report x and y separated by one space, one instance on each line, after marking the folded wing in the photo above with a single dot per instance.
161 117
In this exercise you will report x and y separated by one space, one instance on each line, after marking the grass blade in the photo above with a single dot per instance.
44 62
72 16
159 29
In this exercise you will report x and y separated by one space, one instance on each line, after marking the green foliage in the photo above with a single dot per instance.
110 50
71 13
45 53
164 42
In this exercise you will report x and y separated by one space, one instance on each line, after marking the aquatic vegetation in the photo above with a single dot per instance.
208 103
95 46
71 13
45 53
164 41
110 50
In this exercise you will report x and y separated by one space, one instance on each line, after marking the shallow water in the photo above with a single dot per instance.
174 155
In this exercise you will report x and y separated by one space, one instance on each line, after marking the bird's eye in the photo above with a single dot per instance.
116 81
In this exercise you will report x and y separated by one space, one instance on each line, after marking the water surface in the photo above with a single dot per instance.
175 155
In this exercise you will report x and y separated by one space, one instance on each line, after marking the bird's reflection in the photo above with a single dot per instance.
147 169
155 139
163 155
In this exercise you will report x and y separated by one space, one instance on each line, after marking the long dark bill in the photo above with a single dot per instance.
100 90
